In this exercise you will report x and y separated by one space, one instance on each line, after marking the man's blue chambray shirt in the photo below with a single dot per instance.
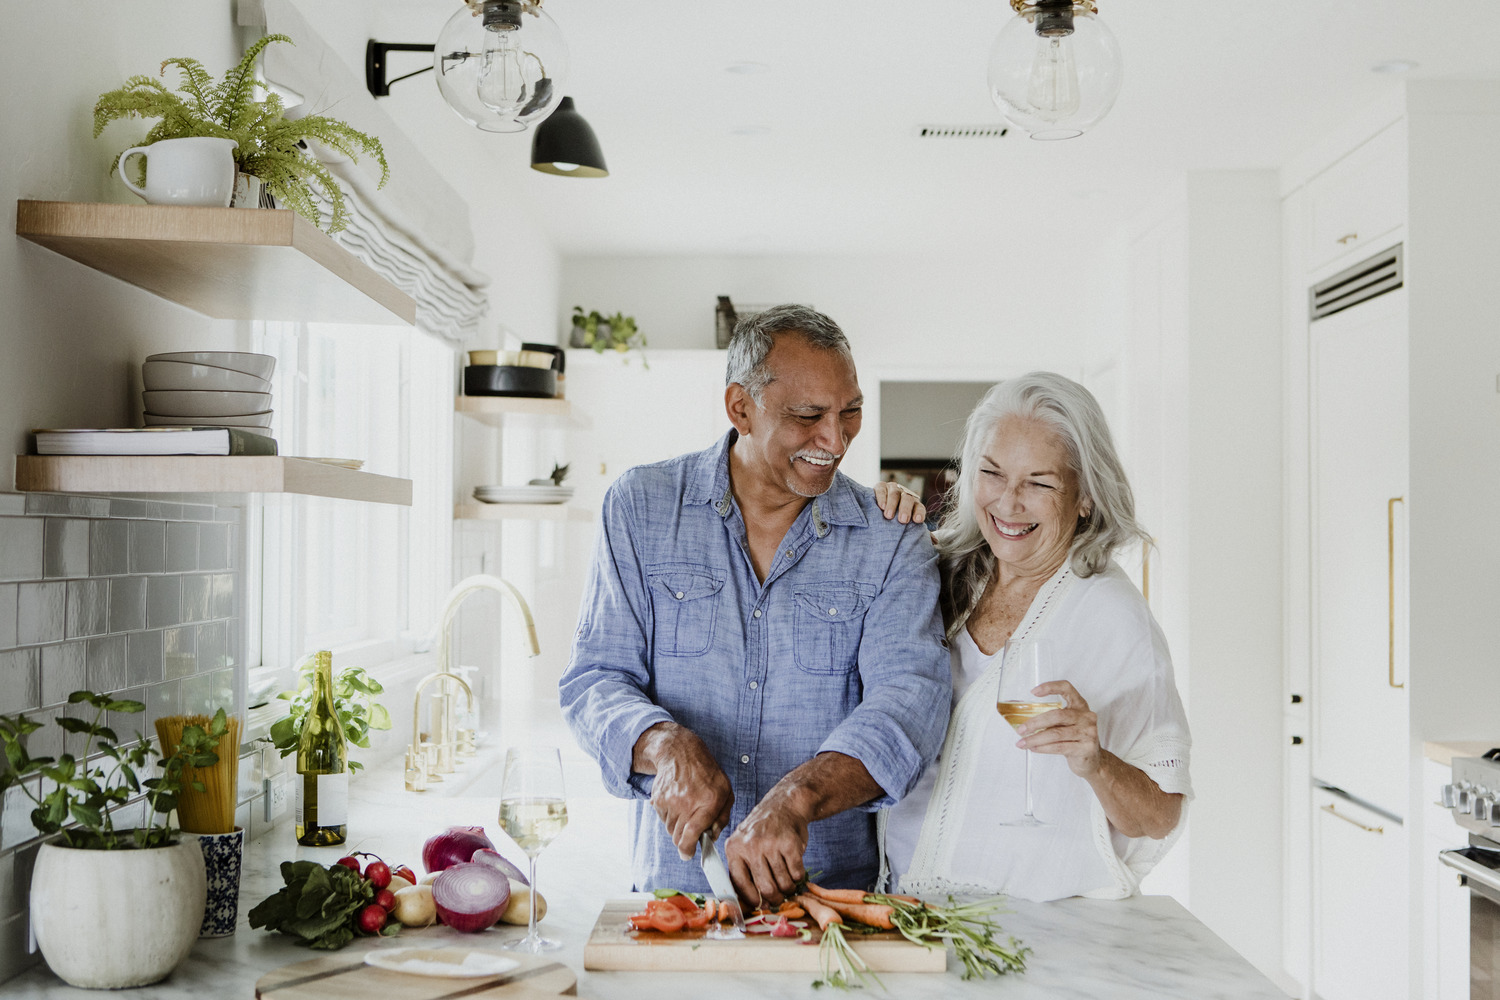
841 649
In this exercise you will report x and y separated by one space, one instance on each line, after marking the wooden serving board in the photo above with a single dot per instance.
347 977
614 946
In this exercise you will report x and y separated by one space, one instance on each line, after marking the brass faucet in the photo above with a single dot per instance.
444 740
419 768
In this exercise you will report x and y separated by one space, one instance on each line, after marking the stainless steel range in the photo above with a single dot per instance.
1473 795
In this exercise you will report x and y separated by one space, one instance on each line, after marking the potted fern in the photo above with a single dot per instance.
269 146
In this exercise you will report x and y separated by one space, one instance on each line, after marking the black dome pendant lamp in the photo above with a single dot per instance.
563 144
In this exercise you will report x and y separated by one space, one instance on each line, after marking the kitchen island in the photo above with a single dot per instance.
1147 947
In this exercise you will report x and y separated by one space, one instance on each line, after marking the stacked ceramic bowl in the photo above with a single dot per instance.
208 389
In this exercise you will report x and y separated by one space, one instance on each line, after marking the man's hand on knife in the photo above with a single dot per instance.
691 793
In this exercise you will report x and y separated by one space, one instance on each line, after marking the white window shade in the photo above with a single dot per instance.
415 231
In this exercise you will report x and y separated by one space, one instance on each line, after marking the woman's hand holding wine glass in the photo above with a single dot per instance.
1023 673
533 811
1071 731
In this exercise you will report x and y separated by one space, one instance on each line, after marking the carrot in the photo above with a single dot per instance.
837 895
791 912
824 915
870 914
891 895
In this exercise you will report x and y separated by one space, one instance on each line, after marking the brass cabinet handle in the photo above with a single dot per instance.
1350 819
1390 563
1348 238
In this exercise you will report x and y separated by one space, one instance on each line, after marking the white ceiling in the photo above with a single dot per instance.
834 164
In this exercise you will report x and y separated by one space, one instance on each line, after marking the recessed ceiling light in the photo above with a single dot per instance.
1394 67
746 68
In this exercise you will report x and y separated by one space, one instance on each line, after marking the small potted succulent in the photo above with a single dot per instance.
269 146
89 865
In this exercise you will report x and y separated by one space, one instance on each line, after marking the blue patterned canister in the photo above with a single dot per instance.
221 862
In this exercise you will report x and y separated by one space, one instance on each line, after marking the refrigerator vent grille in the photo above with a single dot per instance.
1374 276
961 131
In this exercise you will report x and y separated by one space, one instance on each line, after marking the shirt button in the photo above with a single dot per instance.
833 611
679 595
754 685
744 758
757 612
790 553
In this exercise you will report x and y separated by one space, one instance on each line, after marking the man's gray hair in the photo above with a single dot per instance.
1074 414
754 335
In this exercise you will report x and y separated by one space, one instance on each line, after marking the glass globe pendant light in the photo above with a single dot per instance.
501 63
1054 69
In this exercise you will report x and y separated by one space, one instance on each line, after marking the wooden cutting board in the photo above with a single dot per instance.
614 946
347 977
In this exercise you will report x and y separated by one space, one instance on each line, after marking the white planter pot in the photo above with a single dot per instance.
113 919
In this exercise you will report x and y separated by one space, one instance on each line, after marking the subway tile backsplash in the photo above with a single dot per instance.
139 597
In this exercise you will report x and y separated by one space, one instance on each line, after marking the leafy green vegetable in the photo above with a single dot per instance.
966 926
81 795
354 694
318 905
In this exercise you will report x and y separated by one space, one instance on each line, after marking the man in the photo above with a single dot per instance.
759 650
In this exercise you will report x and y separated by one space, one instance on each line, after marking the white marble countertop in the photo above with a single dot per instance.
1148 947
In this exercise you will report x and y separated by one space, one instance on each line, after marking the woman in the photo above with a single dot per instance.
1040 505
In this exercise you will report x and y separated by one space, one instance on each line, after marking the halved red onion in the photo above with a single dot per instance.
496 860
453 846
470 897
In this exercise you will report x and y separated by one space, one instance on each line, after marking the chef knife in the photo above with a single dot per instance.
723 887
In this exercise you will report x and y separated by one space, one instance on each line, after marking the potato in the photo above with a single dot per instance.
519 910
414 906
397 883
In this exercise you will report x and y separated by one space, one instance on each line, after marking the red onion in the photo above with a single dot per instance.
496 860
470 897
453 846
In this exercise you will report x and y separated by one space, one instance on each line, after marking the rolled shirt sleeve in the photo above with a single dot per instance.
604 692
898 727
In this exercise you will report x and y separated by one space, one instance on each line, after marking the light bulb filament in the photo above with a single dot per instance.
1052 89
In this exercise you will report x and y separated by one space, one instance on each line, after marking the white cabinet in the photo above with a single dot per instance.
1359 201
1358 420
1360 902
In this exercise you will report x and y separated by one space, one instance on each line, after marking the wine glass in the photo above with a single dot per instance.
533 811
1026 665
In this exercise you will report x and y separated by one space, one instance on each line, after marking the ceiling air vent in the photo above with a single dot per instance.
961 131
1371 277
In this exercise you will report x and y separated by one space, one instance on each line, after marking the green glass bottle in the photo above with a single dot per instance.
322 766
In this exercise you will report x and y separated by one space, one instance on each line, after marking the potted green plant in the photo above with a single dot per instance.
354 692
599 332
269 146
89 865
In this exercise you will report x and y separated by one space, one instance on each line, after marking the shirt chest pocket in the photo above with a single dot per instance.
828 622
685 599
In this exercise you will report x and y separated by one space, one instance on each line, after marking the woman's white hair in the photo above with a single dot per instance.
1074 414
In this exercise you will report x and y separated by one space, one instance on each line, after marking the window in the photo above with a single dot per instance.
358 578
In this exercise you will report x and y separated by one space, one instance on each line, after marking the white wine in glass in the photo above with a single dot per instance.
533 811
1024 667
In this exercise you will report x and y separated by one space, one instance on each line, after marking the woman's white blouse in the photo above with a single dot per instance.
947 834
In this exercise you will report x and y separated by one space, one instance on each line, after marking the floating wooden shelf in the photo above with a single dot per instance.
493 410
228 263
203 474
520 512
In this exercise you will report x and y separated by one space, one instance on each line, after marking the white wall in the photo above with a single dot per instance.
922 312
73 338
1203 440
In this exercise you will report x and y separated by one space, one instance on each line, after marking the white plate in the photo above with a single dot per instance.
250 421
446 963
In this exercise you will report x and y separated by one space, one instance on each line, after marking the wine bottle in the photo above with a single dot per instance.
322 766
